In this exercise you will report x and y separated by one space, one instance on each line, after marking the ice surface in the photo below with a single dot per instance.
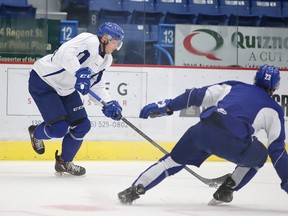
31 188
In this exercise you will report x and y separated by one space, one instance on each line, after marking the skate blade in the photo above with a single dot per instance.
60 173
39 151
123 201
67 174
214 202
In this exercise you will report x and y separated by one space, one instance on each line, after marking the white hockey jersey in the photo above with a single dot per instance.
58 69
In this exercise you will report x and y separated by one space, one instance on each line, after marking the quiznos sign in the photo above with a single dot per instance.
226 45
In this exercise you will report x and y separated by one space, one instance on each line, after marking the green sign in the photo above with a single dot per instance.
26 40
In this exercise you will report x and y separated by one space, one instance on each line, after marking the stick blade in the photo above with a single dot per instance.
216 182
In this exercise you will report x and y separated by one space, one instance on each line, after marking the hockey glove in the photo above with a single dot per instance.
161 108
284 186
113 110
83 76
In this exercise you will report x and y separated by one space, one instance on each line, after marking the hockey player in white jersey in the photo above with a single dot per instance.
227 128
55 84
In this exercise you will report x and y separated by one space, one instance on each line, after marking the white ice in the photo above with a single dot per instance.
32 189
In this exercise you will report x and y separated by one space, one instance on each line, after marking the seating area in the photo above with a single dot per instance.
207 12
270 13
154 13
142 43
16 8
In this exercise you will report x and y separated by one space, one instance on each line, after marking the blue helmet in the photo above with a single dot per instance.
267 77
112 29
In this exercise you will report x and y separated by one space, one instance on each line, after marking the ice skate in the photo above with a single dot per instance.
37 144
130 194
63 167
224 194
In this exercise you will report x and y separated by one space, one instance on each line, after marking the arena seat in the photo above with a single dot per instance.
111 11
76 10
270 12
139 5
207 12
143 12
175 18
67 5
118 16
285 11
175 11
238 12
14 2
115 5
11 11
146 18
284 8
235 7
269 8
172 6
238 20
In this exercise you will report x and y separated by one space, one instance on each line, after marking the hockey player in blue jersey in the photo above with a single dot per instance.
227 128
55 84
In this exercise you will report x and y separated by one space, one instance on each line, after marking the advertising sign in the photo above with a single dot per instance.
197 45
26 40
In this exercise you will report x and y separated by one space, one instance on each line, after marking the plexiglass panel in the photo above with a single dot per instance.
244 33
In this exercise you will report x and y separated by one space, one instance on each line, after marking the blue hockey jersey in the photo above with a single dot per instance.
244 109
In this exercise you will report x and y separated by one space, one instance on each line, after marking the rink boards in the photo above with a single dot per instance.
133 87
90 150
19 150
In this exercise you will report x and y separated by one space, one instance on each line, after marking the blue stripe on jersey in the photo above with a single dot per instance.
57 72
85 56
99 77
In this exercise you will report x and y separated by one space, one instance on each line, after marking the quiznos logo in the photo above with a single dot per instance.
208 42
190 44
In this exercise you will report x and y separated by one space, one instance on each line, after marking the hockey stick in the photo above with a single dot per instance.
215 182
